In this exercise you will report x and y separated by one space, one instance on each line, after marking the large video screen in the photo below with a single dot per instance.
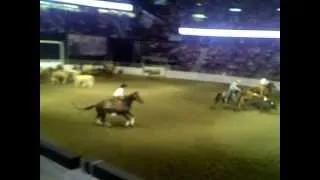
83 45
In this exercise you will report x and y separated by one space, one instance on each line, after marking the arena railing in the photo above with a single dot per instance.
95 168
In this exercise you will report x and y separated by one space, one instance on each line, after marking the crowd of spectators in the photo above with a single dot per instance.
260 15
89 23
237 57
240 57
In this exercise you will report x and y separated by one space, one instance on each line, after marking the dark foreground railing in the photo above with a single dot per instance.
96 168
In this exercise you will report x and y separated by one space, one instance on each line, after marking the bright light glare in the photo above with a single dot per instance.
49 64
99 4
103 11
278 9
106 11
229 33
235 10
44 2
71 6
199 16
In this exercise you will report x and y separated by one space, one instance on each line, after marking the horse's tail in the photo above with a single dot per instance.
83 108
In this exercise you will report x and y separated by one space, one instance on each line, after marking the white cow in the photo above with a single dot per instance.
84 81
59 76
73 73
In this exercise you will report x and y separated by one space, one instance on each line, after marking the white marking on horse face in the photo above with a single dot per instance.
127 123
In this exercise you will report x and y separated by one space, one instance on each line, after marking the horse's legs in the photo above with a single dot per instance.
103 118
218 98
240 103
106 120
132 119
98 119
129 119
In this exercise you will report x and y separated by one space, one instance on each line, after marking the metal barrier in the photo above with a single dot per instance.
74 167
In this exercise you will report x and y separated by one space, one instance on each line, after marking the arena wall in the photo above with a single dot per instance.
194 76
56 163
167 73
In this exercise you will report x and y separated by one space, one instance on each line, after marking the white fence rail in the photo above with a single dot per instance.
194 76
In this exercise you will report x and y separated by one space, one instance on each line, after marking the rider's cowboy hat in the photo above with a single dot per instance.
238 81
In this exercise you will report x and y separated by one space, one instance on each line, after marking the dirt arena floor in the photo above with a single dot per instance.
176 136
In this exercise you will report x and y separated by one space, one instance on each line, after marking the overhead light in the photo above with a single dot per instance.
103 11
44 2
199 16
71 6
278 9
199 4
235 9
229 33
99 4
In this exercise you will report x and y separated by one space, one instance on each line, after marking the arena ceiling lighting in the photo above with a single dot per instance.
199 16
44 3
235 10
278 9
108 11
99 4
229 33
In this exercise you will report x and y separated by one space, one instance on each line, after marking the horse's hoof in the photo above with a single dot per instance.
132 121
98 122
127 124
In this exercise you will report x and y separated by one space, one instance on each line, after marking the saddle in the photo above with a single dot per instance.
116 103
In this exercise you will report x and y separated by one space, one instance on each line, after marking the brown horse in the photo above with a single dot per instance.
255 94
264 90
121 107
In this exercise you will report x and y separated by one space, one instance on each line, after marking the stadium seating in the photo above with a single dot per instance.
255 14
237 57
90 23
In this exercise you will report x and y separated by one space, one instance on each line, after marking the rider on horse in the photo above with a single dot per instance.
232 90
119 92
118 95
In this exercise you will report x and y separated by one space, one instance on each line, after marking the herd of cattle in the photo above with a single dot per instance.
80 76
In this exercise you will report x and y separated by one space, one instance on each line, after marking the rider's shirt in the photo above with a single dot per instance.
234 87
119 92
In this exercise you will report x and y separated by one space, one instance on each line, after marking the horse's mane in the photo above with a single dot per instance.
131 94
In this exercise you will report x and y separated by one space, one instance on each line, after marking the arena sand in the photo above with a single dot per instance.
177 135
